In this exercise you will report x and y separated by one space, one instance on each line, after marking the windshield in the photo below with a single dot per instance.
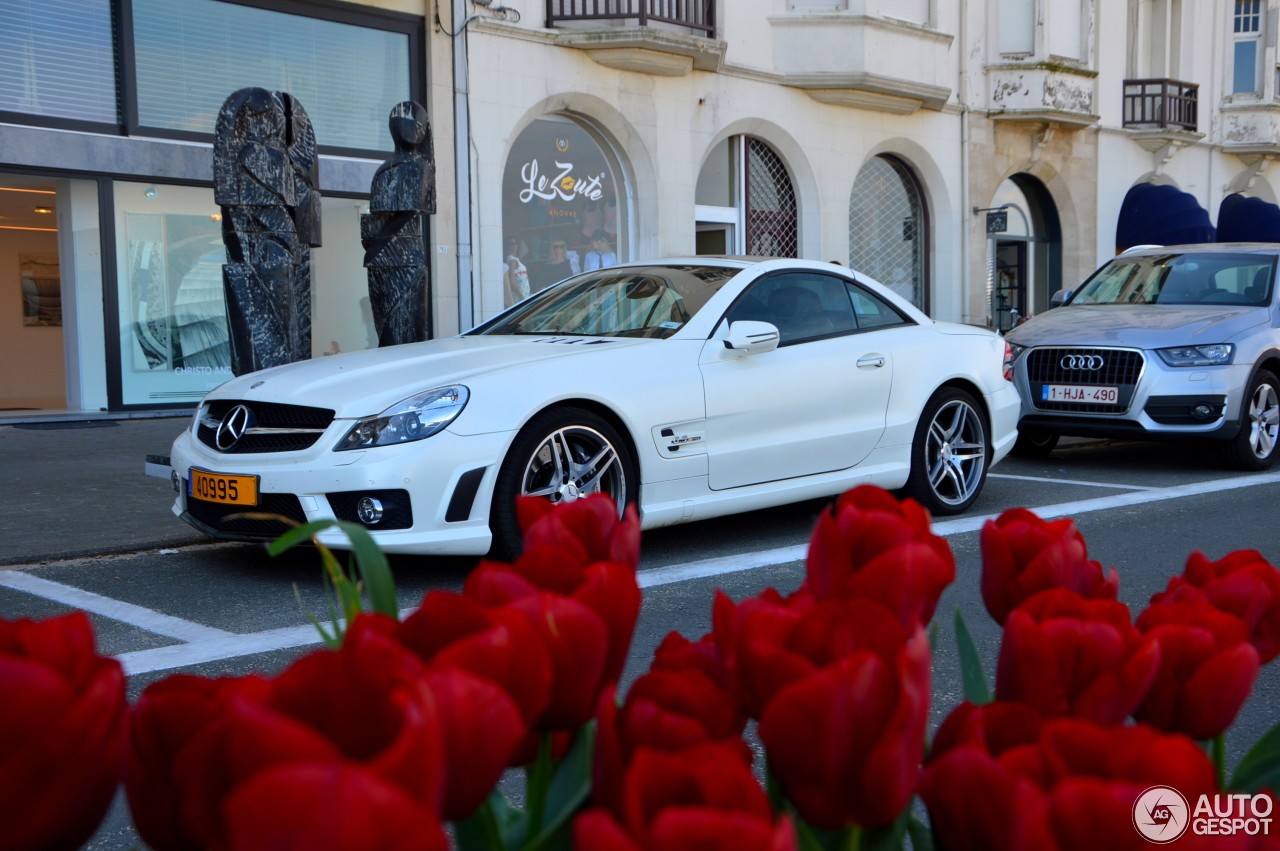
1218 278
635 301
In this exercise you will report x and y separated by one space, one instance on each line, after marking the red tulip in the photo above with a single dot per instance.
327 805
1023 555
495 643
168 716
62 729
587 528
1242 583
1073 786
994 727
846 741
1066 655
366 707
703 796
869 544
677 704
1207 667
752 639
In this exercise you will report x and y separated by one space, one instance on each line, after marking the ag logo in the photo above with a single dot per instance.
1161 814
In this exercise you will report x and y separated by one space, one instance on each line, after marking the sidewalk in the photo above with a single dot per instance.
79 488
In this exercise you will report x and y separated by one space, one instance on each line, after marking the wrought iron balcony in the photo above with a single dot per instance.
1165 104
697 15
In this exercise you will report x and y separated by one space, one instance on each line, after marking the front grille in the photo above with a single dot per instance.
273 427
219 518
1120 368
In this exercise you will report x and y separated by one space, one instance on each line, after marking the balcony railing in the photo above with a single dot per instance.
1160 103
697 15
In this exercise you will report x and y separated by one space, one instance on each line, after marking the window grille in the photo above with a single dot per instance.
771 204
888 228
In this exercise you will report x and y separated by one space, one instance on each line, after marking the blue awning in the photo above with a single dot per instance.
1243 219
1155 214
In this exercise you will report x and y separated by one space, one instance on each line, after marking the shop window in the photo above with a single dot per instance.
57 59
174 343
888 228
190 54
562 212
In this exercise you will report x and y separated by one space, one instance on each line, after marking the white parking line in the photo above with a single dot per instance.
205 644
1072 482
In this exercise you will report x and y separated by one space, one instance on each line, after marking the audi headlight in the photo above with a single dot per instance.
412 419
1218 354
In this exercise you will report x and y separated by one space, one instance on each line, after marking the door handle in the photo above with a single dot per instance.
871 360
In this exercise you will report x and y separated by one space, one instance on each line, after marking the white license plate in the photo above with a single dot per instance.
1088 393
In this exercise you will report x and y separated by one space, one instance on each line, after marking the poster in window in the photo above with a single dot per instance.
41 289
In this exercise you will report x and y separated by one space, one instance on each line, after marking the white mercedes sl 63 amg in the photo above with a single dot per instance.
692 388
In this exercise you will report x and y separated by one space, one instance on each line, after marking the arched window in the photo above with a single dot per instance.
745 201
562 210
888 229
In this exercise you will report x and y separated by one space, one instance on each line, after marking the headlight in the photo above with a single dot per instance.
413 419
1218 354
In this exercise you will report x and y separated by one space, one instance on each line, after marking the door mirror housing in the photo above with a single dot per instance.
749 337
1060 298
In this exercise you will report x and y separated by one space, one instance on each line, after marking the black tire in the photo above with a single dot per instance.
950 454
1034 443
562 454
1254 446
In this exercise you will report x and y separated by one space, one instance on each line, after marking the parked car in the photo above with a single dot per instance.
690 387
1161 342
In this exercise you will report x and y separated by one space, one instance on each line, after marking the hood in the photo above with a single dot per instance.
1141 326
361 384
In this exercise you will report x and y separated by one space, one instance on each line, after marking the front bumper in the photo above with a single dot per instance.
1164 401
438 490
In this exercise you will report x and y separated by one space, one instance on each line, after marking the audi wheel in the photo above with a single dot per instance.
1254 446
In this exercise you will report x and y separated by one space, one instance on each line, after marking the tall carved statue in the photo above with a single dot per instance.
264 180
392 231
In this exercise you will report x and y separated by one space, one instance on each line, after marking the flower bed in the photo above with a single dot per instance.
1103 731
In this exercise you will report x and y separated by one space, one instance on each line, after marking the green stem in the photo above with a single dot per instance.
852 839
537 781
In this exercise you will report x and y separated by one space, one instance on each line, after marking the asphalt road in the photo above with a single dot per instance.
229 608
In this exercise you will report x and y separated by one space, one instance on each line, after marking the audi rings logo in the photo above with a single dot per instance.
232 428
1080 363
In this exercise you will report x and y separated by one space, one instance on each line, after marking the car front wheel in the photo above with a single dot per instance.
1034 443
950 455
1254 447
563 454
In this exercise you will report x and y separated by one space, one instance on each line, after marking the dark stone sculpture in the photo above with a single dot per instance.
393 230
265 173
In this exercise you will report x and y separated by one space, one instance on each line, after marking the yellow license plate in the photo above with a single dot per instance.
223 488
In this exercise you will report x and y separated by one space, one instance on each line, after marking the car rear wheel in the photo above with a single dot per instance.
1254 447
1034 443
563 454
950 455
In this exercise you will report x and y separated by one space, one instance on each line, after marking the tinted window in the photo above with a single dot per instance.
802 305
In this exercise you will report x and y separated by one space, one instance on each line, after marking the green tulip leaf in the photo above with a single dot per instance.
1260 767
495 826
977 689
375 573
921 835
889 837
568 790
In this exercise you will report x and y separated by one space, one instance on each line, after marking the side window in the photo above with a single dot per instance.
871 311
803 306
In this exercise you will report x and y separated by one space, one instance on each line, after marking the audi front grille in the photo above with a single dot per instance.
1095 367
261 427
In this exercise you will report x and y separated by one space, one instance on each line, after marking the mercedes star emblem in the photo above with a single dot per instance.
232 428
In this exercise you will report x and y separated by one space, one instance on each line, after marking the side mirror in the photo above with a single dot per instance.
1060 298
749 337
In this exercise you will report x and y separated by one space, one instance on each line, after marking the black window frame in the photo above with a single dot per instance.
127 124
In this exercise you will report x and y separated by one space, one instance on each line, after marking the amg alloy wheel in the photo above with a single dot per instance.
563 455
950 455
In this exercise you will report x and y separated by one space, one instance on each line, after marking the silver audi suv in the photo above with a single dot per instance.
1161 342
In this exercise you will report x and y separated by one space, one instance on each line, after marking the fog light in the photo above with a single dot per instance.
369 510
1202 411
175 480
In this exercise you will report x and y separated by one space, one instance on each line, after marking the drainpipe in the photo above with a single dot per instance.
462 172
966 220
